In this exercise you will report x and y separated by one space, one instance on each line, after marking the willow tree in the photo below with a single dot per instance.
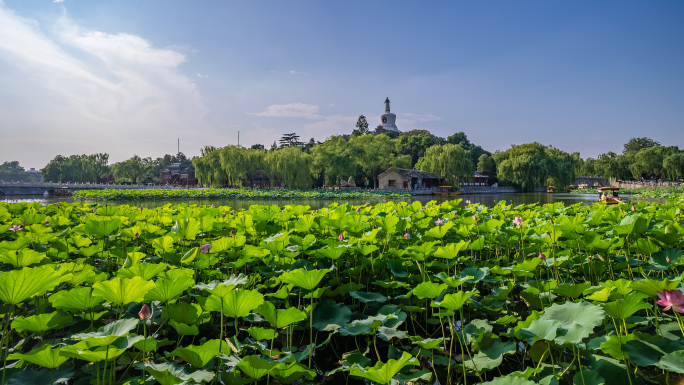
333 159
240 164
650 160
451 162
132 168
291 165
673 165
532 165
208 170
376 153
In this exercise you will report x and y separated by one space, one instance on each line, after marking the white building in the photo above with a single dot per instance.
387 120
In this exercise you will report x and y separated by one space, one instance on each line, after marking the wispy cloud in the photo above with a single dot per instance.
57 1
422 118
202 76
293 72
292 110
87 83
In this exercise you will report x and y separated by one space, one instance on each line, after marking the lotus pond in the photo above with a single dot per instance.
241 193
386 293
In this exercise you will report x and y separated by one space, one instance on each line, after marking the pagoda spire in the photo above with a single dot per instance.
387 109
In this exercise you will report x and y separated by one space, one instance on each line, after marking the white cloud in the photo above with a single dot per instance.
422 118
330 125
84 91
293 72
203 76
57 1
292 110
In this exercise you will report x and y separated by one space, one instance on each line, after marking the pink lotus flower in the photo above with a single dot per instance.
15 228
224 215
468 201
542 256
667 258
213 207
633 209
671 299
475 218
136 234
46 223
518 221
407 236
341 237
439 222
358 210
205 248
145 312
141 208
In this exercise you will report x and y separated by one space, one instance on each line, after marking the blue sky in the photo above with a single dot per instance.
130 77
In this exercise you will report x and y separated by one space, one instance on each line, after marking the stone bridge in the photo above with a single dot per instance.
23 188
592 181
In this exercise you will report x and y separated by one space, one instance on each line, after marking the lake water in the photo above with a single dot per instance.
485 199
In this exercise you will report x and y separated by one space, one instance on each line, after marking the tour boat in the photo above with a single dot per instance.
550 189
609 195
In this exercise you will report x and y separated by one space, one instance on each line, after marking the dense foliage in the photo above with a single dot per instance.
12 171
77 168
207 193
393 292
534 165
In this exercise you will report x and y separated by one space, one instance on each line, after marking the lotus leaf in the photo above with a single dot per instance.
199 355
17 286
255 367
42 322
330 316
382 373
44 356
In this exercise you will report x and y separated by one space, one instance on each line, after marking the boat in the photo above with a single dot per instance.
609 195
62 191
446 191
550 189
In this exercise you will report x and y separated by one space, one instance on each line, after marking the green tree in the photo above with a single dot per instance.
451 162
240 164
673 165
290 140
415 143
333 160
132 168
12 171
650 160
534 165
361 126
487 166
291 165
634 145
376 153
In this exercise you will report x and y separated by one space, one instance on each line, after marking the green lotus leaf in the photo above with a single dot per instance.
255 367
574 335
330 316
621 286
476 273
236 303
419 376
613 346
331 252
43 322
199 355
102 228
78 299
287 374
305 279
645 353
572 290
673 362
184 329
651 287
483 362
368 297
186 229
259 333
44 356
439 231
455 301
166 290
397 268
187 313
366 249
571 313
510 379
388 333
17 286
429 289
453 282
22 258
146 271
627 306
163 244
109 333
99 353
148 344
540 329
588 377
451 250
122 291
382 373
234 377
43 376
169 373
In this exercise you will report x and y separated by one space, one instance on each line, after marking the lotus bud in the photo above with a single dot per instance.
341 237
375 226
232 232
136 234
47 223
407 236
475 218
213 207
396 211
145 312
141 208
205 248
633 209
5 319
224 215
467 201
358 210
667 258
542 256
23 223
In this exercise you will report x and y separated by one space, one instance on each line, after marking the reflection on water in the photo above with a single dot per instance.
485 199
